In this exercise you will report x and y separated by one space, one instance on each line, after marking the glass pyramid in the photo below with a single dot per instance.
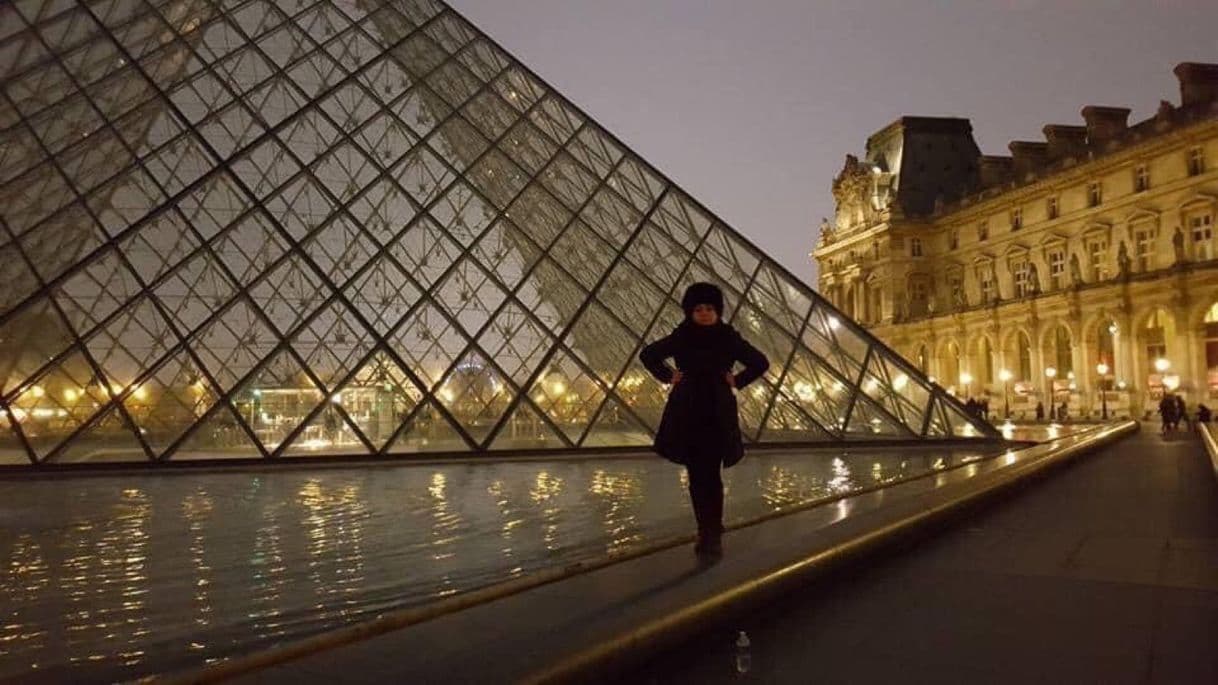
240 228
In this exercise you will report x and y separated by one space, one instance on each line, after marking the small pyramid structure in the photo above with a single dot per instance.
250 229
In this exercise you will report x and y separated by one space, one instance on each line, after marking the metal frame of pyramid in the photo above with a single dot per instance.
238 228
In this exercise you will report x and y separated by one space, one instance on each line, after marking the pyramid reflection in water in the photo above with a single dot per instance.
246 228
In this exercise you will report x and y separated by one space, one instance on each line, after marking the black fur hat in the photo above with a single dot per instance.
702 293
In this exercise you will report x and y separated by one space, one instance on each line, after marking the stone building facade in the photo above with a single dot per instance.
1081 269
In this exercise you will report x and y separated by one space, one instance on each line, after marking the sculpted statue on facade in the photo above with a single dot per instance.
1124 263
1033 279
1177 242
1076 270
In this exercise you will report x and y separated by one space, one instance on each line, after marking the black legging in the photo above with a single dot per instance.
706 494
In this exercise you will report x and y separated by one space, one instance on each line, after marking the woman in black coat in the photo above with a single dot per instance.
700 428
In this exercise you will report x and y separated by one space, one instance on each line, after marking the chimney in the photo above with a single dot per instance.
1029 157
1105 123
994 170
1198 83
1065 141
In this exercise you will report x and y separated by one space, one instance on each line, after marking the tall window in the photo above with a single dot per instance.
1211 345
985 281
987 361
1062 352
1016 219
1095 194
1141 178
1097 253
1024 352
1196 161
1021 273
953 239
923 360
919 297
983 231
1145 249
1156 339
915 247
1201 228
955 283
1106 338
1051 208
1057 269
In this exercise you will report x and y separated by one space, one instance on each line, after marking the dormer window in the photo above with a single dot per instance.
1196 161
953 239
1095 194
983 231
1051 208
1016 219
1141 178
915 247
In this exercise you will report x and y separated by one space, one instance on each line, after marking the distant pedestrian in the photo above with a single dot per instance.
1167 412
700 428
972 407
1040 411
1203 414
985 407
1063 412
1181 412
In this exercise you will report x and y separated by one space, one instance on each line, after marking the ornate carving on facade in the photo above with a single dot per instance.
855 191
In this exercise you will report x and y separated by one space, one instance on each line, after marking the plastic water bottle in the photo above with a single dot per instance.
744 660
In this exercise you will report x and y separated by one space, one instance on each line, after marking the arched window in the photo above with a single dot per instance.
1024 352
1106 343
1155 338
1063 356
987 361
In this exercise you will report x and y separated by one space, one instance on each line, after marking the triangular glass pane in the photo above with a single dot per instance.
108 439
752 403
552 295
167 403
220 435
868 421
779 299
232 344
383 294
568 394
276 399
787 423
58 402
428 342
426 251
379 398
507 252
962 425
327 433
816 390
938 426
629 294
28 338
131 341
475 394
616 427
516 341
429 430
12 450
644 395
469 295
602 343
526 430
333 343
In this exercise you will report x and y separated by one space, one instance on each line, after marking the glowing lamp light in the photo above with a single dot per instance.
899 382
70 394
1101 369
141 393
1051 372
37 391
1162 365
1005 375
966 378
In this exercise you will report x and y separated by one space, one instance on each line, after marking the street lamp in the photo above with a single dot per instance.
1005 376
966 379
1102 370
1162 365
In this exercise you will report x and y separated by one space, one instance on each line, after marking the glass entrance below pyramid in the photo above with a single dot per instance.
258 229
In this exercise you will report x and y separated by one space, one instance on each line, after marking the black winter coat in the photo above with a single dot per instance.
700 421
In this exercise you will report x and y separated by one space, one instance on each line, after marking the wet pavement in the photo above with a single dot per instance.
115 577
1104 573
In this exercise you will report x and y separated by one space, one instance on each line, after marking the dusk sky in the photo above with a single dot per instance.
752 106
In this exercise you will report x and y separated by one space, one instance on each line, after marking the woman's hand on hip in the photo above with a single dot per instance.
730 378
676 377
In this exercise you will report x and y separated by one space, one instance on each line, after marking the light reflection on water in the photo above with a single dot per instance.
117 577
